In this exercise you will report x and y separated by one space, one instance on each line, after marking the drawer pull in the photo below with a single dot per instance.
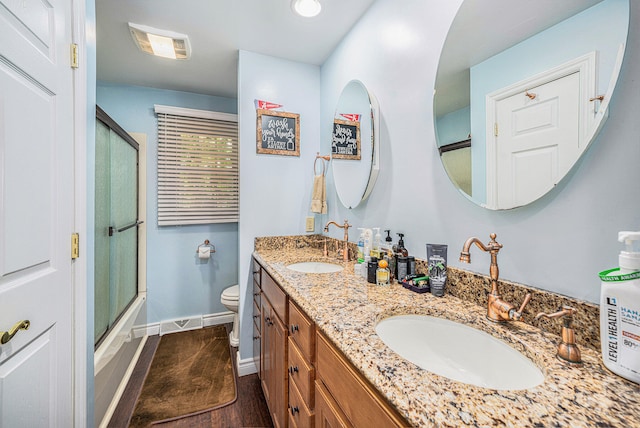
256 294
255 317
294 410
293 369
268 321
256 337
294 328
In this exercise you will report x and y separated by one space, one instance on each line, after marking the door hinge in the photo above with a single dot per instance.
495 129
74 55
75 246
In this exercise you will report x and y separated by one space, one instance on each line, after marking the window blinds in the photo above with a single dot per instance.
197 167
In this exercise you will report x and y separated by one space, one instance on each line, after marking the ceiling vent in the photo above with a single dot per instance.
164 43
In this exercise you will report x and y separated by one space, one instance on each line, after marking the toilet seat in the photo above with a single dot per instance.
231 293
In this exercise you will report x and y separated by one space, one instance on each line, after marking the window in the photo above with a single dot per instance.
197 167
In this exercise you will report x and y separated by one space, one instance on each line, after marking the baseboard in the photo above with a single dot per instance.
217 319
246 366
207 320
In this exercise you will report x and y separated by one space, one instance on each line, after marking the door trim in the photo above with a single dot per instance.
586 66
82 350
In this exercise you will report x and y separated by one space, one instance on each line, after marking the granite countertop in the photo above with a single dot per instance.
346 309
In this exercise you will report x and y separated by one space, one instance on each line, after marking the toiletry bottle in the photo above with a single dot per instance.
361 245
620 311
412 265
368 238
382 273
375 251
401 249
391 263
388 240
371 271
402 267
365 267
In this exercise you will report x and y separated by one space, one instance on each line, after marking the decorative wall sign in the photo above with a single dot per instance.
278 133
345 141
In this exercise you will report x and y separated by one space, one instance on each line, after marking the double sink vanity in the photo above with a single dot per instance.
334 350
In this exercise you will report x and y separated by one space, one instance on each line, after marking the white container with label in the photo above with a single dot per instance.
620 311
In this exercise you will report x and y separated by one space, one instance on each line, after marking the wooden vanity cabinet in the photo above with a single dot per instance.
257 315
307 382
273 352
339 386
301 370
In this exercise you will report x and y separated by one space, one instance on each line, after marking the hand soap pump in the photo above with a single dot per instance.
402 251
619 311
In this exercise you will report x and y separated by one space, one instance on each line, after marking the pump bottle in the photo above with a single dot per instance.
620 311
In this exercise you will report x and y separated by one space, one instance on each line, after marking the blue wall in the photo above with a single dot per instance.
178 283
453 127
275 191
597 28
559 242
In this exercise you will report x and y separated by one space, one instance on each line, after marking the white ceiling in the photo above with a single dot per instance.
217 29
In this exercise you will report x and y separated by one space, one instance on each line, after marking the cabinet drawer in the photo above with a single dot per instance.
256 314
302 330
256 268
328 414
359 401
301 373
299 414
256 345
256 293
276 296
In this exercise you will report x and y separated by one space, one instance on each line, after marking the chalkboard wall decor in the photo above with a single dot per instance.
278 133
345 141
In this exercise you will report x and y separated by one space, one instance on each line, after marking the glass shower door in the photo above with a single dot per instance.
116 233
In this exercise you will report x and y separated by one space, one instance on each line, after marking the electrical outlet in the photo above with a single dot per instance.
310 226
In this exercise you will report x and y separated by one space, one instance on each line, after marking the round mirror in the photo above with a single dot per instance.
354 145
522 89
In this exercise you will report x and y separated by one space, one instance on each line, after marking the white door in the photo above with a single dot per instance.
36 212
538 140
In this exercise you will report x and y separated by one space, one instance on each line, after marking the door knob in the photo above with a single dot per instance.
6 336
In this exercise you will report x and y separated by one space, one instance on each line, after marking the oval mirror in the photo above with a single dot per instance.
354 145
522 89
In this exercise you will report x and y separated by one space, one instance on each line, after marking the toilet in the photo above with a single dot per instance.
229 299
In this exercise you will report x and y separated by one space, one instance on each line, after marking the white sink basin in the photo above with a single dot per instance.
458 352
315 267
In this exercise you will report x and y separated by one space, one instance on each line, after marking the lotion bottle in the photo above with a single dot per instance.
368 237
377 238
620 311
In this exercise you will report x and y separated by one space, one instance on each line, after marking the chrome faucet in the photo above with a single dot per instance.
345 248
497 309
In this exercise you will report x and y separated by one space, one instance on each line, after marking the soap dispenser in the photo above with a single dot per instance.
619 308
401 250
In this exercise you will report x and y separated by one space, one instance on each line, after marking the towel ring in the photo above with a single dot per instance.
315 163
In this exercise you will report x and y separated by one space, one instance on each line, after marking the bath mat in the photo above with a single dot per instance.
191 373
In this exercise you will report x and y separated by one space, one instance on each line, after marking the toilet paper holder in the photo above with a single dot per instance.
212 247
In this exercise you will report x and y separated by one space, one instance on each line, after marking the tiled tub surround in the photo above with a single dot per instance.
346 308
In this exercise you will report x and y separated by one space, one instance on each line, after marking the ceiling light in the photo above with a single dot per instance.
306 8
164 43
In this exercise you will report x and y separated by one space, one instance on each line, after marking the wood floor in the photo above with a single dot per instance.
249 410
